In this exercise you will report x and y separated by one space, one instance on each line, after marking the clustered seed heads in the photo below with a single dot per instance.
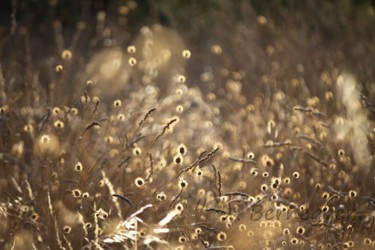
148 146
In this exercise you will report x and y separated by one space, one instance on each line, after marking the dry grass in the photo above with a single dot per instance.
122 146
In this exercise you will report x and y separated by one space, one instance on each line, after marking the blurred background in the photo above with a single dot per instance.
296 38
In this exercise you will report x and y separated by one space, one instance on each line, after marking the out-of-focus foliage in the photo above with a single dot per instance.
187 124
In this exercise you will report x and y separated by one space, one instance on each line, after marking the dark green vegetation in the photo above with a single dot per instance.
187 125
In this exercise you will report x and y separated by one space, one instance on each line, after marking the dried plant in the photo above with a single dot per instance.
117 138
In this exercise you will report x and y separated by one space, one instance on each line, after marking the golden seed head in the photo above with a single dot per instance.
181 239
186 54
4 109
131 49
274 197
182 149
251 155
367 241
67 229
216 49
66 55
349 243
28 128
275 182
161 196
251 199
162 163
325 208
121 117
328 95
262 20
221 236
182 183
302 208
199 172
74 111
325 195
250 233
143 232
178 159
181 78
223 198
286 180
117 103
96 99
300 230
56 111
76 193
78 167
259 197
242 227
59 68
267 161
58 124
108 139
294 241
34 217
179 108
101 214
137 151
231 218
341 152
101 183
254 171
201 192
179 207
277 223
45 139
132 61
85 99
286 231
296 174
352 194
139 182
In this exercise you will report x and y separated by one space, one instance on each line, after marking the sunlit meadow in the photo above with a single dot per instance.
187 125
